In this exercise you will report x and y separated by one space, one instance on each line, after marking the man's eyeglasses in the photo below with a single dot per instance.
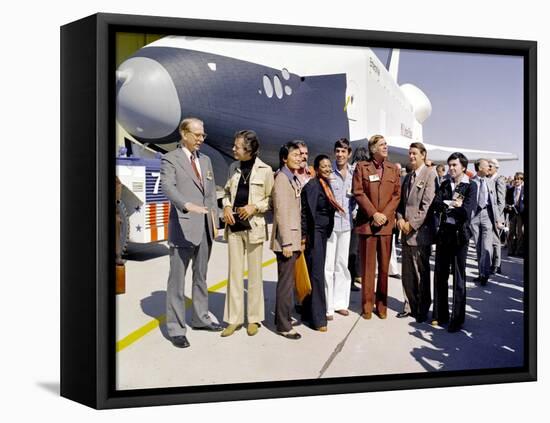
203 136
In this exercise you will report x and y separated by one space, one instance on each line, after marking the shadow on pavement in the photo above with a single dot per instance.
144 252
492 335
155 307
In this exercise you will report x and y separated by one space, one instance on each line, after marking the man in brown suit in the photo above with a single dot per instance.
416 223
376 187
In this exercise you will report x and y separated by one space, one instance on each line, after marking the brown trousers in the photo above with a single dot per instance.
375 248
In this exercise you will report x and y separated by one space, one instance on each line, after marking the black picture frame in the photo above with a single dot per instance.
87 276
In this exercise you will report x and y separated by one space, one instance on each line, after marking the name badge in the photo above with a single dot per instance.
374 178
209 175
420 184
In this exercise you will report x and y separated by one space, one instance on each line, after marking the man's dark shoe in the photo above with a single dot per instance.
402 314
290 335
421 319
454 327
180 341
212 327
483 280
498 271
355 287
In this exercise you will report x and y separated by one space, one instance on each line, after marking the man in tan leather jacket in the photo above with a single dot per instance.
247 198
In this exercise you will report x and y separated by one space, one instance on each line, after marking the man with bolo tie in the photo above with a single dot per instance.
455 201
188 181
376 187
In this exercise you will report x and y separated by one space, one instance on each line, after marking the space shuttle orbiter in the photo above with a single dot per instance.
283 91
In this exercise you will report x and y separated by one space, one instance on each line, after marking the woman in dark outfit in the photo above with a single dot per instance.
318 207
455 201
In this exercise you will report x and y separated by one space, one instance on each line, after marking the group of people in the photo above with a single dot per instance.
341 217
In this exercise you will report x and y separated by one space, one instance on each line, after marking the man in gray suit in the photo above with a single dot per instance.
481 222
482 227
417 227
500 192
188 181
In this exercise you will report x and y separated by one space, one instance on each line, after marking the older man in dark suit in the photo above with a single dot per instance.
188 181
417 227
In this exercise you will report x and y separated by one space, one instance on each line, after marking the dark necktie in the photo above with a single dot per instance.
196 170
411 182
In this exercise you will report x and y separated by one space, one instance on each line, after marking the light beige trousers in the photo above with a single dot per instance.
238 247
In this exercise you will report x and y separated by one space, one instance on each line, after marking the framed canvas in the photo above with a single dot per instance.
126 84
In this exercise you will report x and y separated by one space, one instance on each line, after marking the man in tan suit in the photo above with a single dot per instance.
376 187
247 198
417 227
286 239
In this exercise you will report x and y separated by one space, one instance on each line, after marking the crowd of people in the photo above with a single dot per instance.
345 219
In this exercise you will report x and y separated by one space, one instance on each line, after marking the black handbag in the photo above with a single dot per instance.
240 224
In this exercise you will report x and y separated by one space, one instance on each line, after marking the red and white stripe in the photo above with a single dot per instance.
157 220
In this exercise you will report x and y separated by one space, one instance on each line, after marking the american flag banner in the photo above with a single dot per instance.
156 218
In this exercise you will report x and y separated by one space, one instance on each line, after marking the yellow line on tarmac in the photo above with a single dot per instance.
153 324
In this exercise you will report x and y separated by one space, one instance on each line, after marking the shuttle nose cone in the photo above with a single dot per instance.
147 101
420 102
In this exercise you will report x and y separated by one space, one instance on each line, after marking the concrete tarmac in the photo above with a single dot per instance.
492 336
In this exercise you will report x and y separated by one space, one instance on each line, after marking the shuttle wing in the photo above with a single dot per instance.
439 154
399 152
